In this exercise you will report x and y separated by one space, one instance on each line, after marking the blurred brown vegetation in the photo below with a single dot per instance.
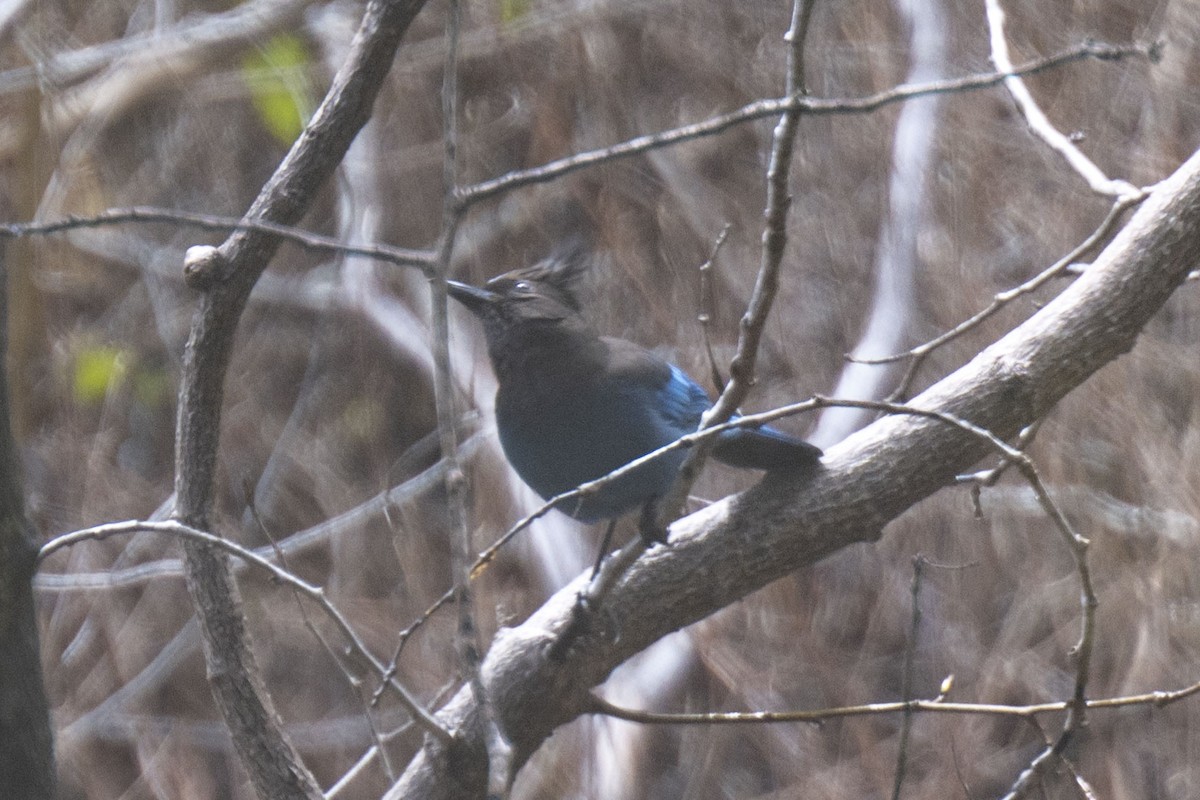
329 400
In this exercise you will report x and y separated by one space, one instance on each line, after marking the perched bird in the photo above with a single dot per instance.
573 406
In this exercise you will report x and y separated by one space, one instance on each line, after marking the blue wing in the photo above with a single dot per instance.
679 402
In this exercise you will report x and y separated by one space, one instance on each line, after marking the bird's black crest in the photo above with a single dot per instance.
564 270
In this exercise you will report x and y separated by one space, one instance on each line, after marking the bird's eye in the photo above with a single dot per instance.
523 287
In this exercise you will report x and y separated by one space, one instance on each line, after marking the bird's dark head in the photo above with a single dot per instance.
543 293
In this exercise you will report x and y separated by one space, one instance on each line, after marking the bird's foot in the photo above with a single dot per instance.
577 625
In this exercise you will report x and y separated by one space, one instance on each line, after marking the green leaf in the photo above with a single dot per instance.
276 73
96 369
512 10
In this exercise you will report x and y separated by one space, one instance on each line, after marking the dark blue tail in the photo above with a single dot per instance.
765 448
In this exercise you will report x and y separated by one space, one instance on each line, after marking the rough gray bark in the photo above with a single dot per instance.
26 747
736 546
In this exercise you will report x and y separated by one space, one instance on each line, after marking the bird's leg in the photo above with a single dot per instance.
604 545
582 610
651 532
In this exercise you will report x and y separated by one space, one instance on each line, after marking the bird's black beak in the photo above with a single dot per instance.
473 297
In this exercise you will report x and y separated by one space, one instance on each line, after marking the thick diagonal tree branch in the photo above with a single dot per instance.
226 275
744 542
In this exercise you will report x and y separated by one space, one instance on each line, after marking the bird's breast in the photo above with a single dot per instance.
558 435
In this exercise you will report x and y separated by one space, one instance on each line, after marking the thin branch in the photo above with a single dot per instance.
212 222
1036 767
349 775
1077 544
910 649
499 751
774 240
485 558
1039 123
989 477
337 656
1055 270
1085 789
314 593
372 753
1082 650
761 109
1156 699
962 782
444 392
704 317
344 523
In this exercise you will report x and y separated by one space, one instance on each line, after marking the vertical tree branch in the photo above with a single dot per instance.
774 239
774 236
26 747
226 275
499 751
906 680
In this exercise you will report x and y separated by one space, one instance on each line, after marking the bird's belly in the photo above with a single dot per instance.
556 444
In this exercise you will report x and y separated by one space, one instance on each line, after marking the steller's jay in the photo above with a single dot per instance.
573 406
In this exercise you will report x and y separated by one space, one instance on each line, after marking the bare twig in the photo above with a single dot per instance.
212 222
314 593
1055 270
962 782
1078 545
1085 789
989 477
761 109
910 649
774 240
1039 123
349 775
484 560
350 520
1156 699
499 751
706 301
1082 650
337 656
347 778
